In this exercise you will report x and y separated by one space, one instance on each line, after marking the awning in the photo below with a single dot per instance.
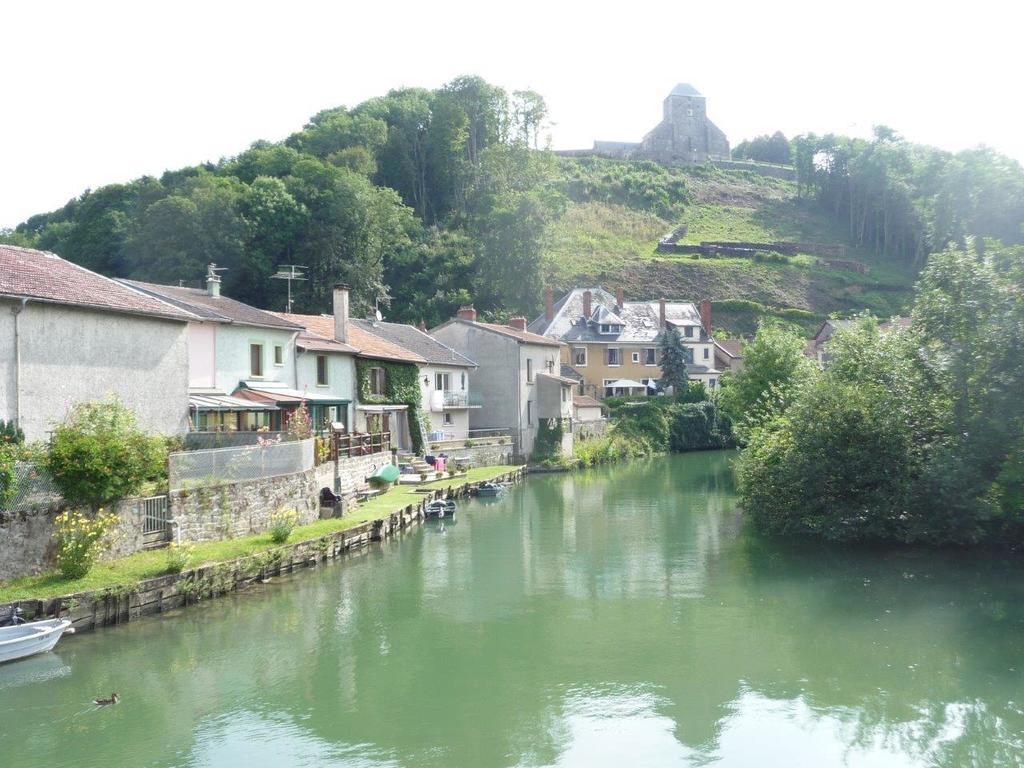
381 408
626 384
285 396
561 379
218 402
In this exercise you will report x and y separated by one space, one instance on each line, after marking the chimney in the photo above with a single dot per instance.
466 312
212 281
705 314
661 313
620 298
549 304
518 322
586 305
341 312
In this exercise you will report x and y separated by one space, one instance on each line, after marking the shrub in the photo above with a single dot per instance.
300 425
11 433
700 427
80 539
282 523
99 454
178 557
8 474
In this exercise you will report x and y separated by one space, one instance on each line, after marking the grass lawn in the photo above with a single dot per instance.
129 570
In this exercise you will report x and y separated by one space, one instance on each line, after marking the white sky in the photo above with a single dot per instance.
98 92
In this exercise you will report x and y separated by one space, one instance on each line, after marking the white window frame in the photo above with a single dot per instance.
529 370
447 419
689 331
575 363
278 355
707 353
635 357
442 382
253 346
653 357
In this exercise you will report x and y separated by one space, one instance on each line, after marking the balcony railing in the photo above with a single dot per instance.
359 444
456 399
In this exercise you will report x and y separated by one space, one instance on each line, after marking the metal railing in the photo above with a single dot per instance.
456 399
156 514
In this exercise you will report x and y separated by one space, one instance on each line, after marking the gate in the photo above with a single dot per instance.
156 518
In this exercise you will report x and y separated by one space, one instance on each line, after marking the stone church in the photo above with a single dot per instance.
685 135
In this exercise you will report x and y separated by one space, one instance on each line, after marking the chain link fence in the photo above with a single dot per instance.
221 466
33 489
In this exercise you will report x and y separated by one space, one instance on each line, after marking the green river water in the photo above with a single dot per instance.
617 617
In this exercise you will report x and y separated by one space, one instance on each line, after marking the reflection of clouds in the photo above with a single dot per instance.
248 739
34 669
615 726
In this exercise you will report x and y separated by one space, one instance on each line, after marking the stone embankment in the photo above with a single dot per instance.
115 605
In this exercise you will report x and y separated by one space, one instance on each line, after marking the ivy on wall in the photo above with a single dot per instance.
401 387
548 444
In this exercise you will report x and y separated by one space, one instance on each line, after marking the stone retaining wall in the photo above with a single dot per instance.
114 605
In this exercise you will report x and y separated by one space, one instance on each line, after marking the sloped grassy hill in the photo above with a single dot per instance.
612 244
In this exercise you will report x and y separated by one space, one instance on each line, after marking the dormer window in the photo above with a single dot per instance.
610 328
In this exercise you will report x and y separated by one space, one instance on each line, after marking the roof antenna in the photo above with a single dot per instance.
289 272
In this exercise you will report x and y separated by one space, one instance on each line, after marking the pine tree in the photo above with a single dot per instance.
674 357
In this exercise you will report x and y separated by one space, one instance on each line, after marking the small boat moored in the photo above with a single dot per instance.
488 488
440 508
33 637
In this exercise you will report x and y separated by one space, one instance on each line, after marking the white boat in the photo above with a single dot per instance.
31 638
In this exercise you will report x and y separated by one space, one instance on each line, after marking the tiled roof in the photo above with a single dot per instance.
360 341
585 401
413 339
217 308
641 319
32 274
319 335
571 373
731 347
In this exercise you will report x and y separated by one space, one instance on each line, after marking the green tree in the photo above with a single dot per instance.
675 357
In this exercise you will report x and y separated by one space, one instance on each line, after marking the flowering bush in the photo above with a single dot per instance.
300 425
99 454
282 523
80 539
178 557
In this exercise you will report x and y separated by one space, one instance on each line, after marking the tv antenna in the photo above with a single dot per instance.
289 272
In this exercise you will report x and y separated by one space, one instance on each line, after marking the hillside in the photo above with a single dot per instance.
614 244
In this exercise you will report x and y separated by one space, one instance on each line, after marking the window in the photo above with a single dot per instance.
377 381
447 419
462 381
689 331
650 356
321 370
564 391
529 372
614 356
611 328
636 357
529 413
689 111
706 353
579 356
442 382
256 360
711 383
278 354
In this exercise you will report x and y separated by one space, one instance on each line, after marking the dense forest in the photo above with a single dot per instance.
424 199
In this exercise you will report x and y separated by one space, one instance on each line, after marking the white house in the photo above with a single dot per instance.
69 335
517 376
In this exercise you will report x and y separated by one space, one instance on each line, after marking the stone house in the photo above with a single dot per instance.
518 376
614 345
69 335
817 346
241 360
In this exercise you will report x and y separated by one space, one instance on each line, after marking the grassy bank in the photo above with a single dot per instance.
130 570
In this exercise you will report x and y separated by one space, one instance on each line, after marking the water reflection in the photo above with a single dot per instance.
610 618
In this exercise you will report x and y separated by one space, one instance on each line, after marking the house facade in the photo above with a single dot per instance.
241 360
68 335
518 376
613 344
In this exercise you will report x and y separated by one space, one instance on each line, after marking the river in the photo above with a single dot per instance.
615 617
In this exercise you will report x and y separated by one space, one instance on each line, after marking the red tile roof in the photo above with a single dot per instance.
32 274
362 342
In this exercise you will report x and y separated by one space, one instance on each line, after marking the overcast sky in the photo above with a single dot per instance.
98 92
